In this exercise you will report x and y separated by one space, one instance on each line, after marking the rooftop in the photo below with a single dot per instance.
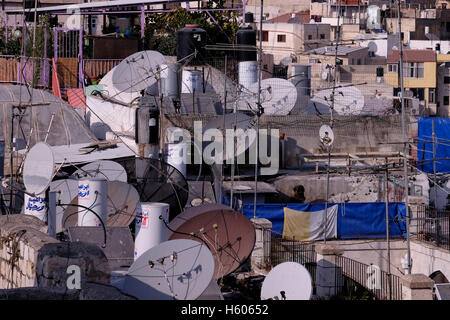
331 50
302 17
412 56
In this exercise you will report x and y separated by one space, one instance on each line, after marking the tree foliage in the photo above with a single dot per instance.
161 29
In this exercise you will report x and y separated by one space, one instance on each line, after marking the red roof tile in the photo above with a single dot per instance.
412 56
302 16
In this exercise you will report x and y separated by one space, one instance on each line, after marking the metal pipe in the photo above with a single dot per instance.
434 163
387 232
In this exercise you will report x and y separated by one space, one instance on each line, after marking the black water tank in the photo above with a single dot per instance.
192 38
249 18
246 36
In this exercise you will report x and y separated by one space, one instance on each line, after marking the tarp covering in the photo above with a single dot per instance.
308 226
425 150
354 220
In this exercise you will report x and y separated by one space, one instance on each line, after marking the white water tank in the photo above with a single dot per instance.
92 194
36 206
150 229
176 156
248 73
192 81
169 80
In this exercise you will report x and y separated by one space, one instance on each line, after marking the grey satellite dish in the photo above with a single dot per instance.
38 168
278 97
287 281
66 190
243 122
137 72
174 270
347 101
105 169
326 135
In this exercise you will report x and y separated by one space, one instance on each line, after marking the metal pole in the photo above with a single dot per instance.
259 105
34 29
404 135
434 163
387 233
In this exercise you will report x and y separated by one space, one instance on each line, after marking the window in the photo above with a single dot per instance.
265 35
446 79
311 61
358 62
413 70
432 95
446 100
281 38
309 37
322 36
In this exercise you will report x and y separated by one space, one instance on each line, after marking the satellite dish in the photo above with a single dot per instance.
384 7
66 190
122 200
287 281
105 169
229 234
278 97
157 181
177 269
347 101
242 121
326 135
38 168
324 75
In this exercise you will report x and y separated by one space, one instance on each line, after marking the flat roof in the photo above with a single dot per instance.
331 50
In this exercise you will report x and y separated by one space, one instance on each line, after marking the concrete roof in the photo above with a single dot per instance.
331 50
302 16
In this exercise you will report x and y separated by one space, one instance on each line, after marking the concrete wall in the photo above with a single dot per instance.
427 259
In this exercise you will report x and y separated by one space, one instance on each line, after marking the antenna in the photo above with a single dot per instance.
174 270
38 168
287 281
228 234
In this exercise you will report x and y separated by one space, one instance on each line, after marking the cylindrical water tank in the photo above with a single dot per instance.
176 156
92 194
248 73
300 77
36 206
169 80
150 229
192 81
374 17
246 36
191 39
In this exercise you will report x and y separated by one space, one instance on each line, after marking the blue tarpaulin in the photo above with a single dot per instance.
425 150
354 220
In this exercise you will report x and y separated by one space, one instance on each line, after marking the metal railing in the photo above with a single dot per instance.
353 275
22 70
93 68
291 250
433 226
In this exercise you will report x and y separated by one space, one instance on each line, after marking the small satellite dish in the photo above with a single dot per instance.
198 201
229 234
105 169
287 281
38 168
394 48
326 135
278 97
176 269
121 206
66 190
324 75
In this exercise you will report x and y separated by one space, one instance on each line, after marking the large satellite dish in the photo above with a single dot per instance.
177 269
229 234
66 190
287 281
326 135
242 122
157 181
278 97
38 168
347 101
122 200
104 169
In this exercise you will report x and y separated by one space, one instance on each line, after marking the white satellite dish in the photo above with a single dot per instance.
105 169
177 269
347 101
278 97
66 190
326 135
287 281
324 75
38 168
